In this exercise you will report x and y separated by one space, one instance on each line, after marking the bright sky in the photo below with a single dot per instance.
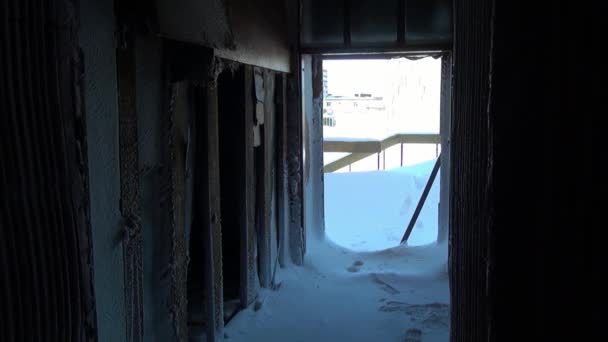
411 91
347 77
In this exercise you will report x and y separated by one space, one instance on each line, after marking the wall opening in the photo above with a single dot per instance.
231 111
381 140
197 296
401 293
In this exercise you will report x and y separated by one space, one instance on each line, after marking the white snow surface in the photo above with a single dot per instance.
367 211
398 294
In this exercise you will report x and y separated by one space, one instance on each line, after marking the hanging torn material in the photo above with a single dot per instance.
259 84
259 113
257 136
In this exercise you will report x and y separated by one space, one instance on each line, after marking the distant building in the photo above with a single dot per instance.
359 104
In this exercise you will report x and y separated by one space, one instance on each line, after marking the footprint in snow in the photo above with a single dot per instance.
407 203
413 335
386 287
431 315
355 267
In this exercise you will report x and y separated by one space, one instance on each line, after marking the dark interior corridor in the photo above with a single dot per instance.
161 173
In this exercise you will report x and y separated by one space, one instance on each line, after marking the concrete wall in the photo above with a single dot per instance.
97 40
97 33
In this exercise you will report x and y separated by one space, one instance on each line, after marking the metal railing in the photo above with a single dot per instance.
361 149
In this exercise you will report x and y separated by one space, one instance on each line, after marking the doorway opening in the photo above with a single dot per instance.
381 141
231 128
400 292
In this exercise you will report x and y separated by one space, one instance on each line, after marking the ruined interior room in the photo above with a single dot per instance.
163 178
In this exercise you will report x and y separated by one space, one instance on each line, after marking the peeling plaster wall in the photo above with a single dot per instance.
293 155
270 148
264 81
97 42
165 179
181 117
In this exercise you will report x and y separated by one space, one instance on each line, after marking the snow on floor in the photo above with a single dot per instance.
398 294
367 211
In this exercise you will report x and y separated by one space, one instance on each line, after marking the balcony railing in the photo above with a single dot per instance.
359 149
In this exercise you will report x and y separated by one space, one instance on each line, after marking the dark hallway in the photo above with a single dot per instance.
162 173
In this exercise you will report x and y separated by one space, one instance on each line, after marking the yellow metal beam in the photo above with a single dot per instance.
369 146
360 149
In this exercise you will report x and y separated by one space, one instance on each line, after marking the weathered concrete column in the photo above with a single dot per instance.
314 221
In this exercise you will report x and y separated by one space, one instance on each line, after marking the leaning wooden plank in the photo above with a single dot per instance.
425 193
